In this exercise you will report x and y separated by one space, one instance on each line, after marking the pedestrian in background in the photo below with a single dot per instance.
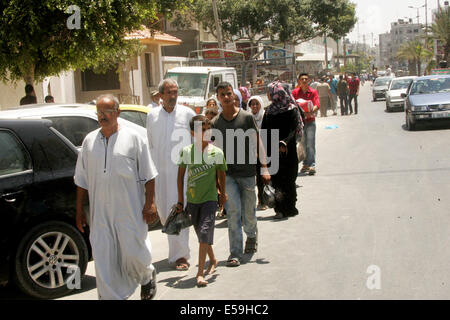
315 82
245 96
332 82
30 96
353 92
49 99
156 97
255 105
303 91
324 91
283 116
115 168
168 132
342 91
202 193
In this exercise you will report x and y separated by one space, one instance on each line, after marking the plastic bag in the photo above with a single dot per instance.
268 196
176 221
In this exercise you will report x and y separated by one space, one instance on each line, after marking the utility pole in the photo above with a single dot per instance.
326 51
219 29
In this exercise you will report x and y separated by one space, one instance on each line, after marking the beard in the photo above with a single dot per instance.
172 102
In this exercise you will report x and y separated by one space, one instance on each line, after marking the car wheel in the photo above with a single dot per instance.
49 259
409 124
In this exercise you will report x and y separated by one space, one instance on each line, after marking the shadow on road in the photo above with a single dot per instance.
11 292
442 125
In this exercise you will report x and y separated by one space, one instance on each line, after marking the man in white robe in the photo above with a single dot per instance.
168 133
116 170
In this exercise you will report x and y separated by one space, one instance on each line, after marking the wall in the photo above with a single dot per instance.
10 94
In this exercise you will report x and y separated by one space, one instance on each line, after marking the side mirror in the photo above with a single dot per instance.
403 95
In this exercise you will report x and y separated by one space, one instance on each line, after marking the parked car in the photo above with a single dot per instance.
396 87
74 121
135 113
427 99
41 249
380 86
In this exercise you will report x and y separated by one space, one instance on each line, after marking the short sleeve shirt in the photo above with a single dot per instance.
238 143
201 169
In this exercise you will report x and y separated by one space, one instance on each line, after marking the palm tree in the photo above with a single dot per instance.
441 29
415 53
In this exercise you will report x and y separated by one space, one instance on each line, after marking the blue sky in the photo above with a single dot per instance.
375 16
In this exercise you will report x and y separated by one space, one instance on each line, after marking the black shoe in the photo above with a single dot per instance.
278 216
148 291
251 245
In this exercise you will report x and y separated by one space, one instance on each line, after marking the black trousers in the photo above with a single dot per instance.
344 104
350 98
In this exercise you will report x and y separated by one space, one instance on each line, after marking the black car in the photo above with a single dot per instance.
40 247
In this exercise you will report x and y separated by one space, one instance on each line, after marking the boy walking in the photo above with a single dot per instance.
206 168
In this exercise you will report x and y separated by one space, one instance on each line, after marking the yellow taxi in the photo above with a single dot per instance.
135 113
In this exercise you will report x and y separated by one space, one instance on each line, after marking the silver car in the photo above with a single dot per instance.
393 95
380 86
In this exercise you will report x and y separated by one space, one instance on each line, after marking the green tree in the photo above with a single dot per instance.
36 42
283 21
441 29
415 52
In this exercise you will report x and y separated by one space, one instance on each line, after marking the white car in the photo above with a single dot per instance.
394 98
74 121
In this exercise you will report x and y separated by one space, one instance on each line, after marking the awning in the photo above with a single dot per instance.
158 37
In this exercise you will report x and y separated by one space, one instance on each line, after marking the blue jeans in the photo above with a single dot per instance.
310 144
241 209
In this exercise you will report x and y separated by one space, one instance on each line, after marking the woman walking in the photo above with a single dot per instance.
255 106
283 115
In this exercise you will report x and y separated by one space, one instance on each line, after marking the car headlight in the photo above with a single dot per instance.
419 108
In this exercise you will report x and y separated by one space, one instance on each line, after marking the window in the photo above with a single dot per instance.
139 118
91 81
148 69
13 158
190 84
214 82
74 128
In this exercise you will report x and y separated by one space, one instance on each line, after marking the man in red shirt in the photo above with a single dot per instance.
305 92
353 86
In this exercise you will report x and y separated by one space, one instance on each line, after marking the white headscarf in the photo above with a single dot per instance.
238 93
259 116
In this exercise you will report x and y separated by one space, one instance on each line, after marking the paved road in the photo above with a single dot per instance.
380 203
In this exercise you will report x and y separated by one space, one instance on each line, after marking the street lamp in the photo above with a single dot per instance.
417 8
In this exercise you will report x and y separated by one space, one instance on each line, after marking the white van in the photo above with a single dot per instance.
197 84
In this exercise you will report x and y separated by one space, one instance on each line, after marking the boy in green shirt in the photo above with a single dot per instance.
206 173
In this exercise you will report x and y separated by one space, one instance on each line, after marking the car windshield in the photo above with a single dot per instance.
382 82
400 84
433 85
190 84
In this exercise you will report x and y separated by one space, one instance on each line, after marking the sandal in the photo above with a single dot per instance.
148 291
182 264
233 262
251 245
